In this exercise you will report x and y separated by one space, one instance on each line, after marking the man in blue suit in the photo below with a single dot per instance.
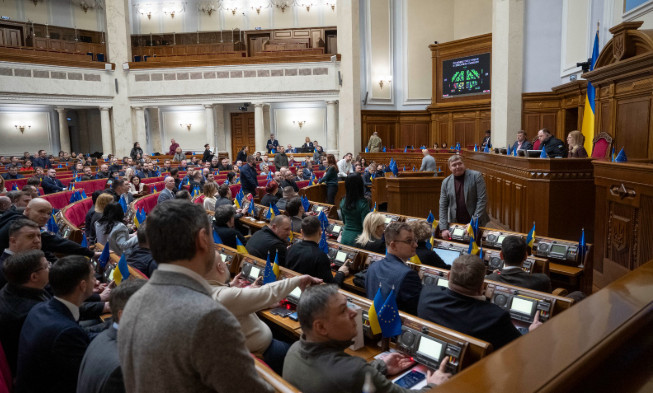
392 272
52 343
42 160
51 184
522 143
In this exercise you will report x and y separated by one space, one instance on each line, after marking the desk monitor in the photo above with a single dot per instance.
448 256
521 153
341 256
294 296
522 306
443 282
558 249
319 208
501 238
430 348
533 153
254 272
337 228
388 220
458 232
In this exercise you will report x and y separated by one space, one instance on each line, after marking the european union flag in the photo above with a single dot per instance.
216 238
324 246
509 152
395 169
487 148
122 272
406 149
323 219
142 216
543 152
582 247
621 157
84 241
104 257
268 273
305 203
252 210
430 217
384 149
51 225
389 316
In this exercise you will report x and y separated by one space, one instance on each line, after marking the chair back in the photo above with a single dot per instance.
536 144
601 145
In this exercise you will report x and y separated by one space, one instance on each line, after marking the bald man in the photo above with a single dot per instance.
428 162
5 204
39 210
169 191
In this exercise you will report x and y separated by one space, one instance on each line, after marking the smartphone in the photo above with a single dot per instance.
411 379
293 316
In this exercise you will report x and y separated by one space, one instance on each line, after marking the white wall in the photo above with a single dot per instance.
283 115
542 37
192 140
38 136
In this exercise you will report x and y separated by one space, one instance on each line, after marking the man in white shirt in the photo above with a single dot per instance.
344 166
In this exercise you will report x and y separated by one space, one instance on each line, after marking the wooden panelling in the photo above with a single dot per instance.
242 131
397 128
559 110
413 196
632 129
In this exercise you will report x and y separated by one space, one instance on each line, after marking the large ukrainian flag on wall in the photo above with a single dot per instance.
588 114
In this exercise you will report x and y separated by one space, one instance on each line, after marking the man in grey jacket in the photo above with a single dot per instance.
428 162
318 363
173 337
462 197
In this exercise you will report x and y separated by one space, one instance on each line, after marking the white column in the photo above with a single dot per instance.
221 142
507 69
210 125
140 126
349 111
332 128
105 127
259 127
64 135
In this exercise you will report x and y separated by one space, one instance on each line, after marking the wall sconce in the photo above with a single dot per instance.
386 81
149 15
283 4
208 9
21 127
299 123
306 5
188 125
145 10
331 4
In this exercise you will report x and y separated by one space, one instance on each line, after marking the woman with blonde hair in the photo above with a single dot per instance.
576 140
371 239
179 155
98 209
129 173
209 191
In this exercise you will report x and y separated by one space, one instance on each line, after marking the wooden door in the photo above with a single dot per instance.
242 132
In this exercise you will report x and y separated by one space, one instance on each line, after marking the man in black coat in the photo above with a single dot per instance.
42 160
513 253
52 343
224 226
51 184
141 257
100 370
462 306
271 239
248 176
553 146
27 276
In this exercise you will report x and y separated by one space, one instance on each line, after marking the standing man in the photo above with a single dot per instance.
428 162
168 192
280 158
462 197
392 272
242 155
522 143
200 350
272 144
553 146
374 144
248 175
173 147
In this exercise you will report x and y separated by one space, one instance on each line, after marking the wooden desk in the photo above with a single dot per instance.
555 193
413 196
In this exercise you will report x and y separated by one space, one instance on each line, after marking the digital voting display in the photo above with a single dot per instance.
466 76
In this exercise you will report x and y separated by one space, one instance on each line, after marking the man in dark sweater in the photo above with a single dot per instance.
305 257
141 257
513 253
224 226
462 306
248 176
272 239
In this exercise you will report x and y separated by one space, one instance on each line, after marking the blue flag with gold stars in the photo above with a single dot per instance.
389 316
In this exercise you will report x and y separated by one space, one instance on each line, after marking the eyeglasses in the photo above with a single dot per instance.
407 241
43 268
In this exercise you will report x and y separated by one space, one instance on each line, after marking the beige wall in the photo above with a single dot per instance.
575 47
471 17
188 140
618 14
380 47
425 21
39 13
34 138
287 132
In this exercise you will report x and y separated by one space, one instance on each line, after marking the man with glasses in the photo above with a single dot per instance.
392 272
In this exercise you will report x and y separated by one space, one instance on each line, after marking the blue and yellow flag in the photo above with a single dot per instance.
323 245
531 237
313 181
473 248
389 316
122 272
252 210
268 273
104 257
372 313
216 238
589 111
51 226
415 259
374 210
275 266
270 214
239 246
582 248
84 241
123 203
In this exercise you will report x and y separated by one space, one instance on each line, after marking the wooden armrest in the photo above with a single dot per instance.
560 292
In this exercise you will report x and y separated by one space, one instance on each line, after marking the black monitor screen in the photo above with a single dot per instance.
466 76
448 256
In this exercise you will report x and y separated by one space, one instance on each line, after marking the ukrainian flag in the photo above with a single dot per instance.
588 114
371 313
270 215
531 237
239 246
122 272
473 248
216 238
415 259
275 266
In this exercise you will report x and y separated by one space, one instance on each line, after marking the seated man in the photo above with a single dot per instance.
288 194
19 199
100 369
271 239
27 276
24 235
553 146
52 343
51 184
224 165
306 257
295 211
168 193
462 306
522 143
392 272
245 302
12 173
513 253
289 181
141 257
215 163
103 173
318 362
224 226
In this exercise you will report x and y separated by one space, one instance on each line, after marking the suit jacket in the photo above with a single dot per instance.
174 337
165 195
272 144
486 141
428 164
264 241
7 176
248 179
475 199
517 277
480 319
51 348
42 162
51 185
391 271
100 370
526 145
142 259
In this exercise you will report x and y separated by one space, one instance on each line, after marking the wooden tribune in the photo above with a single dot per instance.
413 196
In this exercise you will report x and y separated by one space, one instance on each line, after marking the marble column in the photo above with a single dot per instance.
210 125
105 124
140 126
331 128
507 69
259 128
221 142
349 108
64 134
